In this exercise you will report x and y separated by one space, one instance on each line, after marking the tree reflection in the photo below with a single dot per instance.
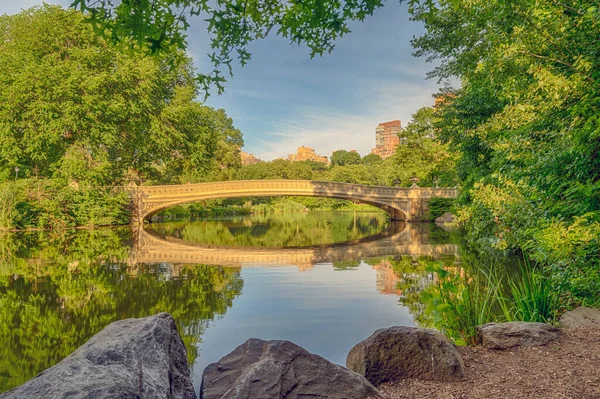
57 292
278 230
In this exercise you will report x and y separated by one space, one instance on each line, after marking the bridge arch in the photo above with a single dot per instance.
408 204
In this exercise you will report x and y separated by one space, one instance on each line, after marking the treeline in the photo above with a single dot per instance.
525 123
420 155
79 116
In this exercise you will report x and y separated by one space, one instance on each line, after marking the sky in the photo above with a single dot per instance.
283 99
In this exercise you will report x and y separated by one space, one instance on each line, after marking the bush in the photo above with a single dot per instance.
51 204
438 206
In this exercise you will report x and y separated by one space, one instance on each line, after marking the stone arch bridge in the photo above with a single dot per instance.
408 204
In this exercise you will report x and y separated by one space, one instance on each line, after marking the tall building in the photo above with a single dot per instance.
307 154
386 138
248 159
386 278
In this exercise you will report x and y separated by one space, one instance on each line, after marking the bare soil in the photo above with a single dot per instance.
567 368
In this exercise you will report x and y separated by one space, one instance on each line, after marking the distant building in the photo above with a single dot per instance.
386 278
386 138
248 159
307 154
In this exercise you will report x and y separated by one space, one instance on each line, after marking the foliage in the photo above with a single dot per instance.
160 26
9 202
420 154
438 206
195 211
525 123
279 169
371 159
461 302
534 298
56 292
343 157
31 203
77 114
467 297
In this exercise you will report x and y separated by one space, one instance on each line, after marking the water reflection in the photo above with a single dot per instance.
56 291
278 230
397 238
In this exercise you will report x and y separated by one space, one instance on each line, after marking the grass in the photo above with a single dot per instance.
533 297
461 301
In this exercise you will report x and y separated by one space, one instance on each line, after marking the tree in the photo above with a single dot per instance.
371 159
421 155
358 174
525 122
78 115
343 157
74 108
160 26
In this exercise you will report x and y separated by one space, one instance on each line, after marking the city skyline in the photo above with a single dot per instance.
386 140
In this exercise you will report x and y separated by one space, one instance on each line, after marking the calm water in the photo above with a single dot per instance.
325 280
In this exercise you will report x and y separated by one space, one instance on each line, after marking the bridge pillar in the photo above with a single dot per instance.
419 206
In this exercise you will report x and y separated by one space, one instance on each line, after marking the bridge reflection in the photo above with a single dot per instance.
399 239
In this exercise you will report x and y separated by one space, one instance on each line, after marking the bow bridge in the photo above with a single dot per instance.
408 204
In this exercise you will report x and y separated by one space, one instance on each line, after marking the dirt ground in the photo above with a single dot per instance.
567 368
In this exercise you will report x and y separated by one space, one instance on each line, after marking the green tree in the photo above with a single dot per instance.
371 159
525 122
420 154
359 174
73 107
343 157
78 115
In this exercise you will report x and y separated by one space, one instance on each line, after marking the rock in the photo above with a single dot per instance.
280 369
579 317
445 218
134 358
516 333
395 353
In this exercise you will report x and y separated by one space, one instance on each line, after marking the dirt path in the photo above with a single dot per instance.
568 368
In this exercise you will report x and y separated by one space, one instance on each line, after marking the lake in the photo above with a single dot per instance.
324 280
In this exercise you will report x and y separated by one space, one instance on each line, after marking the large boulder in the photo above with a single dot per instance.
516 333
134 358
395 353
579 317
282 370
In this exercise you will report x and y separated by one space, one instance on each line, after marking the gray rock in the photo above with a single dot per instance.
579 317
280 369
134 358
392 354
445 218
516 333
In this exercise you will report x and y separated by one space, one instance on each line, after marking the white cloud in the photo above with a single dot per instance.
327 130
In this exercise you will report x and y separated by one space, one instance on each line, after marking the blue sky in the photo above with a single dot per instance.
282 99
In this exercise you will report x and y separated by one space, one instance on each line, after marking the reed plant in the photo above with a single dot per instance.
533 297
461 300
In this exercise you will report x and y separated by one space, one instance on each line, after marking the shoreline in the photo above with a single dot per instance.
566 368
